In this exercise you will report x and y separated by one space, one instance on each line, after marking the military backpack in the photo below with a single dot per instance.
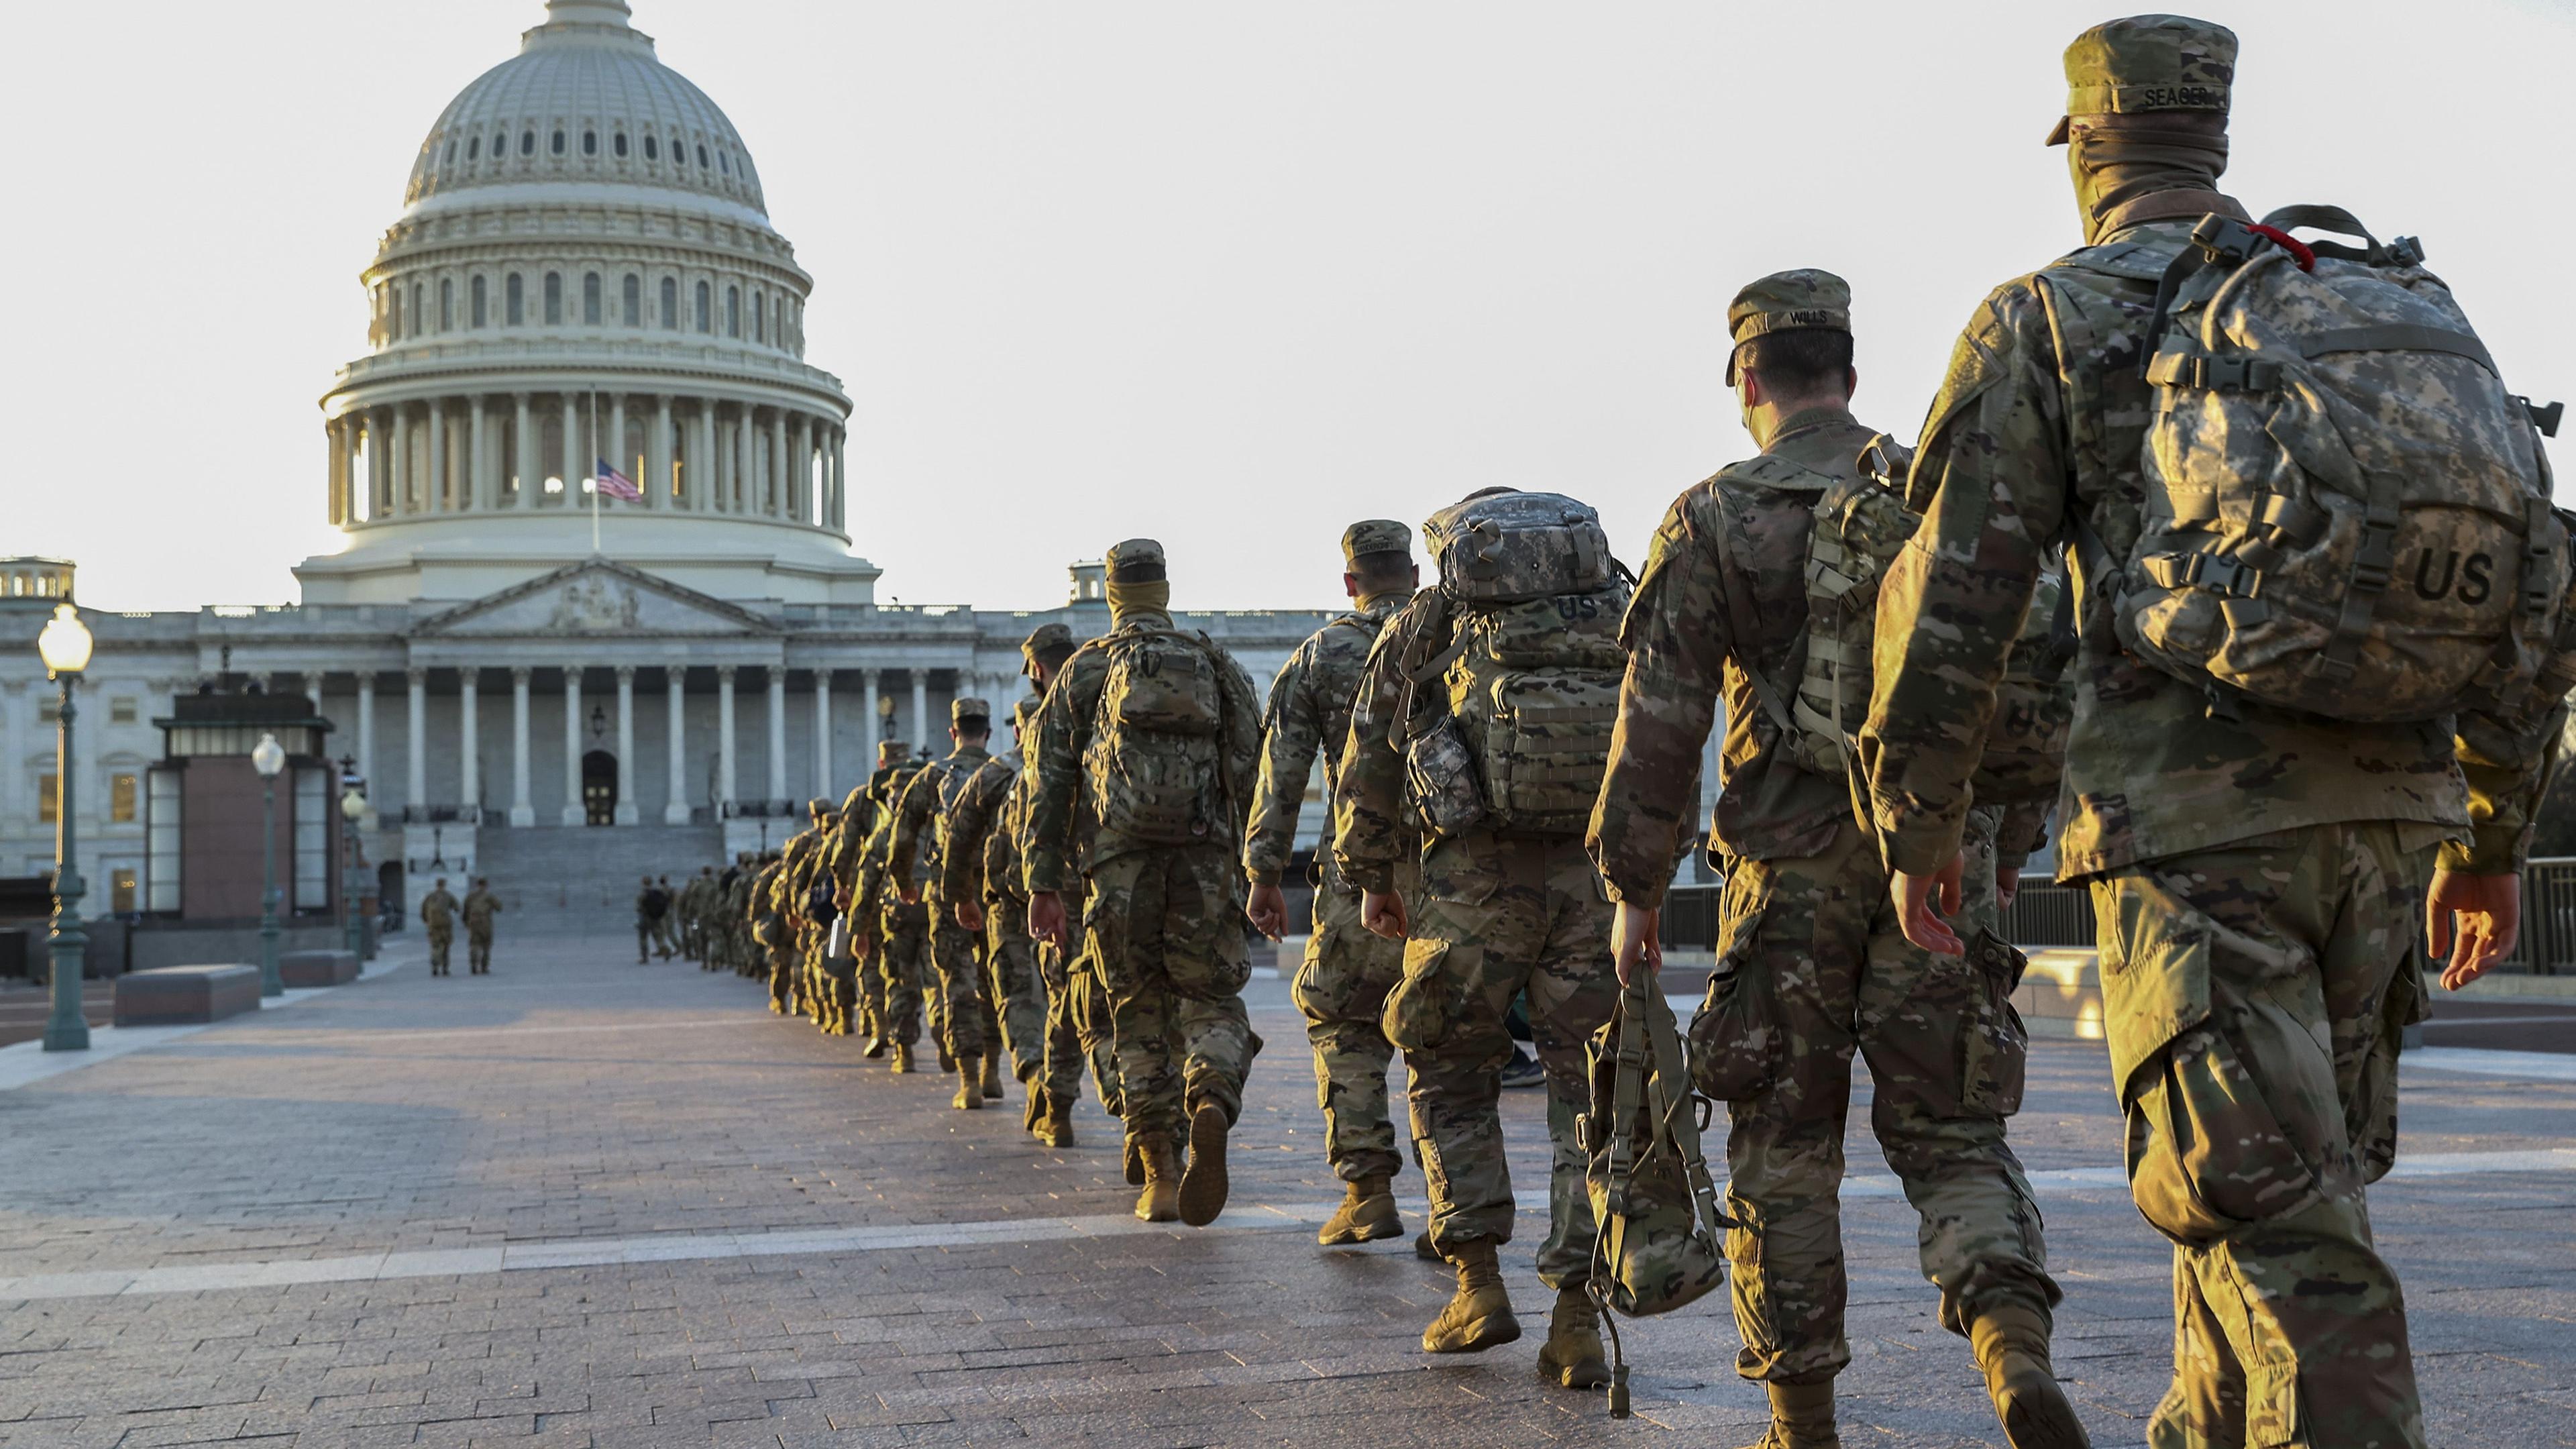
2346 513
1529 604
1154 767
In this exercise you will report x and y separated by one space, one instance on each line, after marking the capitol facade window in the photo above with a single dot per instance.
528 143
705 318
516 303
475 304
633 297
558 146
670 305
590 299
554 299
590 143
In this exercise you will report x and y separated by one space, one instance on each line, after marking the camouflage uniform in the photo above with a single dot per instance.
1342 983
768 931
1812 964
647 923
902 941
2257 878
976 821
813 988
666 926
974 1029
438 913
479 909
1166 921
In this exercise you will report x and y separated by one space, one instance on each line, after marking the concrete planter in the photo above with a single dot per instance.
302 969
186 995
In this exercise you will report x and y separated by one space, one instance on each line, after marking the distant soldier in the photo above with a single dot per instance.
650 904
996 913
480 907
1160 730
974 1032
2269 784
1343 982
1758 595
810 920
897 934
666 935
438 913
773 952
1484 713
854 970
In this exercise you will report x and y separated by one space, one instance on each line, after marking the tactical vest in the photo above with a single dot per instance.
1153 767
2345 511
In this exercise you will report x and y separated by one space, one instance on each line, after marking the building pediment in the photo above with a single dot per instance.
593 599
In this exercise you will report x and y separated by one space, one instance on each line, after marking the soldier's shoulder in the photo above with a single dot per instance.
1759 474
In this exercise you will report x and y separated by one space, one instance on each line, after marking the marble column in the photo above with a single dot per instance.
698 471
573 813
367 729
572 469
778 479
823 735
724 737
434 497
478 460
657 490
525 445
801 497
415 741
612 439
402 462
874 730
334 480
921 732
469 701
627 811
777 732
840 479
746 470
523 809
675 811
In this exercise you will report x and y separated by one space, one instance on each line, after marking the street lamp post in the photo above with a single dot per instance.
65 645
268 757
353 808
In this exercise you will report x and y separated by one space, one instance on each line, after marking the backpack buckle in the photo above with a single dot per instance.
2178 368
2224 239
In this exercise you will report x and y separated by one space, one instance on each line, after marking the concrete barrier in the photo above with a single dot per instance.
302 969
186 995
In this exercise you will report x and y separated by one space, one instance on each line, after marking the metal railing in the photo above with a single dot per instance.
2056 915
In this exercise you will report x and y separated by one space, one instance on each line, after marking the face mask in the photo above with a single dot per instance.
2114 160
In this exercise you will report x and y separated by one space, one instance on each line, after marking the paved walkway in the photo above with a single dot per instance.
586 1203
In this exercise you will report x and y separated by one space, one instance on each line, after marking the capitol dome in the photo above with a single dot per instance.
584 269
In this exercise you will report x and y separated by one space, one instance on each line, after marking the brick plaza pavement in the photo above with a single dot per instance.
581 1202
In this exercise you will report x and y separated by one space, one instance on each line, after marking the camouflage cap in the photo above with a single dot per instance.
1807 299
1044 642
1136 561
1026 710
2147 63
1375 535
818 806
891 751
968 707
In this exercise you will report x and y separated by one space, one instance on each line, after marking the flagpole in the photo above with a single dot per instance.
594 469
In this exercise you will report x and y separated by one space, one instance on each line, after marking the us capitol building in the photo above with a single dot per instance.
583 254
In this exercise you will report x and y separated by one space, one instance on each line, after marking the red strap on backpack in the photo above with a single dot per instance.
2300 251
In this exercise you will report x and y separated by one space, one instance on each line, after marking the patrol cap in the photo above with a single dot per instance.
2147 63
1375 535
891 752
1136 561
1807 299
818 806
969 707
1046 641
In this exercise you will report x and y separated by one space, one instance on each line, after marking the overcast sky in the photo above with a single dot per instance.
1230 275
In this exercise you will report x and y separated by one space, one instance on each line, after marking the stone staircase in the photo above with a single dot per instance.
572 878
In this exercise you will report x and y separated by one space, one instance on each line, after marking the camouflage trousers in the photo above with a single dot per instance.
1812 967
478 951
1078 1024
1497 917
440 940
1011 979
871 989
1166 924
1342 987
2254 994
784 963
972 1027
663 941
903 960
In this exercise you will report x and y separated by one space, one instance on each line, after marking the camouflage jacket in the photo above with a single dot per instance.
479 909
1309 712
438 911
2036 434
850 837
1066 728
869 893
974 820
923 806
1372 824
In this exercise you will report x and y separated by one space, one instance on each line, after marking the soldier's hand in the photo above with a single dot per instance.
1268 909
1921 903
2007 886
1383 913
970 916
910 895
841 899
1046 917
1636 934
2474 920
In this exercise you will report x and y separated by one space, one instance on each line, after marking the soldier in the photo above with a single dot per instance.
881 923
771 942
2255 871
809 922
1757 591
1509 902
984 901
480 907
438 912
650 903
1160 729
1348 971
666 937
853 972
974 1030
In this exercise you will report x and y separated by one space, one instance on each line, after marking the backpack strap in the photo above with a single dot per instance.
2404 251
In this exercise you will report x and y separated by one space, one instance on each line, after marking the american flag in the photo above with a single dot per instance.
616 484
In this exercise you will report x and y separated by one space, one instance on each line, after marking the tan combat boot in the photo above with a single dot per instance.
1057 1129
1160 1202
902 1058
876 1046
1035 1110
947 1063
1422 1247
2011 1341
1367 1214
970 1087
1204 1186
992 1078
1132 1164
1572 1357
1479 1317
1802 1417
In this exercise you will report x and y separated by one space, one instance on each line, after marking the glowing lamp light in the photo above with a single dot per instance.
268 757
65 643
